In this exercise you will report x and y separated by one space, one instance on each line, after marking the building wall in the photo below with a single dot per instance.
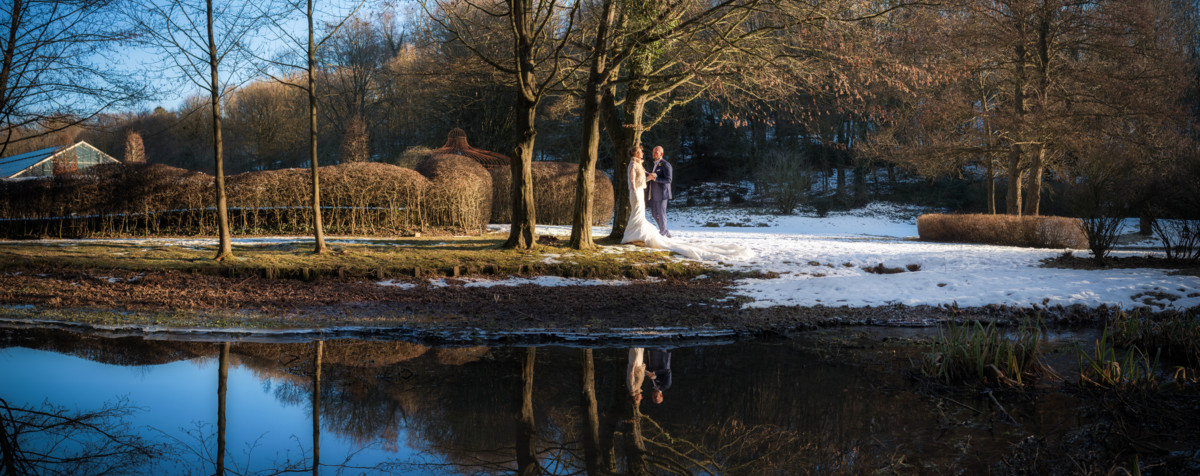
85 156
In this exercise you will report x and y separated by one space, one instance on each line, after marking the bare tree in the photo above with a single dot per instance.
538 32
355 143
308 46
135 152
174 27
52 73
54 440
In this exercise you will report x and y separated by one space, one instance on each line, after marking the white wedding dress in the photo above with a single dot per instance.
640 229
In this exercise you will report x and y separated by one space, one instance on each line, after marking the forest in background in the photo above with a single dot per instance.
1022 98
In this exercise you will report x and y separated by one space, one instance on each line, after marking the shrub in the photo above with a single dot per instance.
120 199
553 194
1007 230
1180 238
460 192
782 179
1102 233
412 156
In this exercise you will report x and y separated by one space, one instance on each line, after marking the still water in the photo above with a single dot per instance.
843 401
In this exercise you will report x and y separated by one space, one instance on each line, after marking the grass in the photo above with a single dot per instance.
1105 368
973 352
1176 337
414 257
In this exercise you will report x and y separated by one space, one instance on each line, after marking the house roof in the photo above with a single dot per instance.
13 164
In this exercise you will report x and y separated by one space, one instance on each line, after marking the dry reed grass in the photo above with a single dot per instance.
553 194
1005 230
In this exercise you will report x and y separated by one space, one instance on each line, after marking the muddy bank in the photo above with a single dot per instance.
178 302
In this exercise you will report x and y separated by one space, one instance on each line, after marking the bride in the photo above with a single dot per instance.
640 229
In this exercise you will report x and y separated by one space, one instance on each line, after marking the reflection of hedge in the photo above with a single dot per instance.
553 194
359 198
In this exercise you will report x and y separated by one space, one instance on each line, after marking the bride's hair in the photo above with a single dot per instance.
634 150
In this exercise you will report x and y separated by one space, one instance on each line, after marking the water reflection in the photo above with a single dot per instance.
397 407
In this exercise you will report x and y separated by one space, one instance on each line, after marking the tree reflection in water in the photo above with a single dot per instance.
735 409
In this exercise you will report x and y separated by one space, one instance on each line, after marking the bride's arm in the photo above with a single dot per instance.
636 175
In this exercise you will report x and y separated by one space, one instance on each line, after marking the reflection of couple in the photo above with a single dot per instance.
656 364
640 229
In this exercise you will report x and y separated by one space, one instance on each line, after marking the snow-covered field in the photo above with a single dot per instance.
821 261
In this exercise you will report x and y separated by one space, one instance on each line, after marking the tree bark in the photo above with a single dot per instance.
1033 182
591 416
621 140
318 228
1013 199
523 233
581 220
225 246
222 378
319 348
527 463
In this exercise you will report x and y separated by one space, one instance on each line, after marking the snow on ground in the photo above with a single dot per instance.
821 261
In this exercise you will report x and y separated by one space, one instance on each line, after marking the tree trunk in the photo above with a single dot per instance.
527 463
1012 202
1033 182
523 233
635 444
222 378
316 407
591 416
318 229
581 220
991 183
225 245
621 140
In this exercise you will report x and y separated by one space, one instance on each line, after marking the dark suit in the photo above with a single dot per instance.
660 192
659 362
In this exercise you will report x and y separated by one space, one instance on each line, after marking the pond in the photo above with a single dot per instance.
834 401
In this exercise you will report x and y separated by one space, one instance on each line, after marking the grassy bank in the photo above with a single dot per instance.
421 257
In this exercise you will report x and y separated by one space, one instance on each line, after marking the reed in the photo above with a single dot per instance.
973 352
1106 368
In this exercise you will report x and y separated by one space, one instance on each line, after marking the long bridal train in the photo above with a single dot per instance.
640 229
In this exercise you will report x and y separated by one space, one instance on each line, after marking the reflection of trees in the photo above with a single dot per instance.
50 439
738 409
108 350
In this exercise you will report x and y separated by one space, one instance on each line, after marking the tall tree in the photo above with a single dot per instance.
57 68
172 27
308 44
537 33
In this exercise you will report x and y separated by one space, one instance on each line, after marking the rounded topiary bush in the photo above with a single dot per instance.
553 194
460 192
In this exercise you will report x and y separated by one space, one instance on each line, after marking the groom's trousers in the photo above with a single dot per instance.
658 209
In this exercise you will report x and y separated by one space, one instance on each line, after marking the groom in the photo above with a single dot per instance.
660 190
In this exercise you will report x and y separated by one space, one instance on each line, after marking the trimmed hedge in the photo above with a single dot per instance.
553 194
1005 230
447 192
460 195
